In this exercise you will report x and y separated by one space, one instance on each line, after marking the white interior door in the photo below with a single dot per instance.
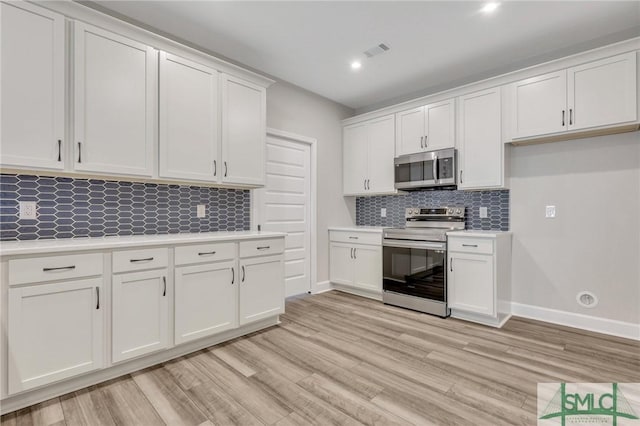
284 205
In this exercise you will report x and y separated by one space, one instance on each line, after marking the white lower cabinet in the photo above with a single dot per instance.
478 279
206 300
55 332
261 288
356 267
140 314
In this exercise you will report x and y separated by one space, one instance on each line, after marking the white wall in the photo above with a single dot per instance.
296 110
584 247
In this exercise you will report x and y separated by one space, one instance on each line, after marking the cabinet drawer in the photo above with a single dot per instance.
139 260
51 268
356 237
212 252
471 245
261 247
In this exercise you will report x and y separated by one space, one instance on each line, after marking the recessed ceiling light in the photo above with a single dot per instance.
356 65
490 7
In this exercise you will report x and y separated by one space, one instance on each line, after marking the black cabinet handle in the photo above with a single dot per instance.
460 176
97 297
451 264
148 259
233 276
469 245
426 138
225 169
206 253
353 238
61 268
562 118
570 116
364 183
164 289
79 152
215 167
243 273
59 149
421 142
264 247
355 253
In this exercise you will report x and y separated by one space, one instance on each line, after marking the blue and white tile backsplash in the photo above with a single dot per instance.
70 207
497 203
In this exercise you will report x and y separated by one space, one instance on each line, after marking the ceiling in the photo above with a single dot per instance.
434 45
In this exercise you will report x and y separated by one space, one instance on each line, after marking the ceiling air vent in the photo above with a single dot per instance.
376 50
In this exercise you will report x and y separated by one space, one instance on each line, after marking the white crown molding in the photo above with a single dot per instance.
570 319
625 46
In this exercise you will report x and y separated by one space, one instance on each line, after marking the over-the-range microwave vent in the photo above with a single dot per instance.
376 50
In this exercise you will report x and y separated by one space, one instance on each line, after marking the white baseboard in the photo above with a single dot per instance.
321 287
570 319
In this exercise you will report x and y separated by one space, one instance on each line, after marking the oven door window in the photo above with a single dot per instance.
415 272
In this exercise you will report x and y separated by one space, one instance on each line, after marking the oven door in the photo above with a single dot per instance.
415 268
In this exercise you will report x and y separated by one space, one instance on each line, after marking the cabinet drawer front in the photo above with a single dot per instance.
139 260
261 247
356 237
52 268
471 245
186 255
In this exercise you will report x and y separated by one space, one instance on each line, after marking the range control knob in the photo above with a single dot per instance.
458 211
449 211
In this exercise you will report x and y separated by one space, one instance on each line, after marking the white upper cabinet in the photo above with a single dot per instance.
368 152
33 83
539 105
479 140
243 131
115 84
188 120
426 128
603 92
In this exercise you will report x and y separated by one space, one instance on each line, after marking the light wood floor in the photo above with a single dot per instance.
340 359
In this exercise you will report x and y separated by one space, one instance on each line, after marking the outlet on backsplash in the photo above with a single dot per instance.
28 210
201 211
483 213
383 212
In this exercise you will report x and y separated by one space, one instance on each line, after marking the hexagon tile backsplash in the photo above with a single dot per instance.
497 203
70 207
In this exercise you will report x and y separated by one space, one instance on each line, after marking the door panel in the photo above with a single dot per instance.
381 137
410 131
341 268
355 159
261 288
33 83
471 283
440 124
188 120
206 300
367 268
56 331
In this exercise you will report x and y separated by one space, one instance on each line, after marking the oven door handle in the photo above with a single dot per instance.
414 244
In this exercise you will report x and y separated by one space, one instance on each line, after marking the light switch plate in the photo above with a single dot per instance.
383 212
28 209
201 211
550 212
483 213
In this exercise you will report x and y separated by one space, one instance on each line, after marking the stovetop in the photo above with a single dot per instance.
417 234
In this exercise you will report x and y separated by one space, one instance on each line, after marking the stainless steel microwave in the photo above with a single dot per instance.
433 169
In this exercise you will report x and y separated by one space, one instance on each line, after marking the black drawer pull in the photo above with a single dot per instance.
62 268
206 253
353 238
469 245
264 247
148 259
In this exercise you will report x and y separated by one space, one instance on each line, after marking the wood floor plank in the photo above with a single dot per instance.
233 361
127 404
86 407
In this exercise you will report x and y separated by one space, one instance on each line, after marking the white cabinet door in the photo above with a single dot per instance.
261 288
140 314
56 331
244 131
355 159
471 283
540 105
410 131
341 263
381 149
206 300
115 103
33 83
188 120
440 125
367 266
603 92
479 143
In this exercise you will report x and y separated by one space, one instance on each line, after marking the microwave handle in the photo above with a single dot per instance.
434 163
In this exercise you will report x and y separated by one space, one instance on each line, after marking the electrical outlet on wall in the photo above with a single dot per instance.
383 212
201 211
550 212
28 209
483 213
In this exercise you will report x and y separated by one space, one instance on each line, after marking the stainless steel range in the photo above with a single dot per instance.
415 259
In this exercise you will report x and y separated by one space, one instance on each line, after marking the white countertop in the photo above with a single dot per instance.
13 248
478 233
372 229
